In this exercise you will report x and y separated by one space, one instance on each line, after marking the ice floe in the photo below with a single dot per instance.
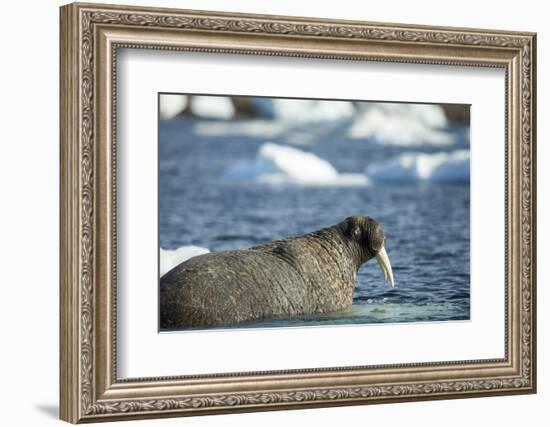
276 117
453 166
311 111
401 124
171 105
279 164
212 107
169 258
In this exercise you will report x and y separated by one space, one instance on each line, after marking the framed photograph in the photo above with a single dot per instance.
267 212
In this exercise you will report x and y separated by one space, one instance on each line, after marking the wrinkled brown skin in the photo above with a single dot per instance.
314 273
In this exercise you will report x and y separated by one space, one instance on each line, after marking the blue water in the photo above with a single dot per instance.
427 225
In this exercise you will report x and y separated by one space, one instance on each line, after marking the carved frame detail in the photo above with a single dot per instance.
87 383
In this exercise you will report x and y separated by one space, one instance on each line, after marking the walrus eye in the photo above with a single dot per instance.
356 232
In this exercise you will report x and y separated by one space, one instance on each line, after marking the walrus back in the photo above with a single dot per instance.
301 275
230 287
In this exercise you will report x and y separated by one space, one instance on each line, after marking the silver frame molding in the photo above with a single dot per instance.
90 37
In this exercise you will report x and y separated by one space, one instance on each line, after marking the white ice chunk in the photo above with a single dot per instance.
169 258
171 105
402 124
437 167
279 164
212 107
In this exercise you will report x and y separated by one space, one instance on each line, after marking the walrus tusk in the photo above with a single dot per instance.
385 265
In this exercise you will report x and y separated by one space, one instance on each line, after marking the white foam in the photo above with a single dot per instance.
438 167
401 124
169 258
171 105
278 164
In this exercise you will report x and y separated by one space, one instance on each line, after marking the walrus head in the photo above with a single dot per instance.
366 239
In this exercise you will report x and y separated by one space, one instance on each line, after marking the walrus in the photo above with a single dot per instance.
313 273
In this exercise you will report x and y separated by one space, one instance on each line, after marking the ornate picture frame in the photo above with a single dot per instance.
90 37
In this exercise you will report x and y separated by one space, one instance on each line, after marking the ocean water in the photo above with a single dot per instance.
426 222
